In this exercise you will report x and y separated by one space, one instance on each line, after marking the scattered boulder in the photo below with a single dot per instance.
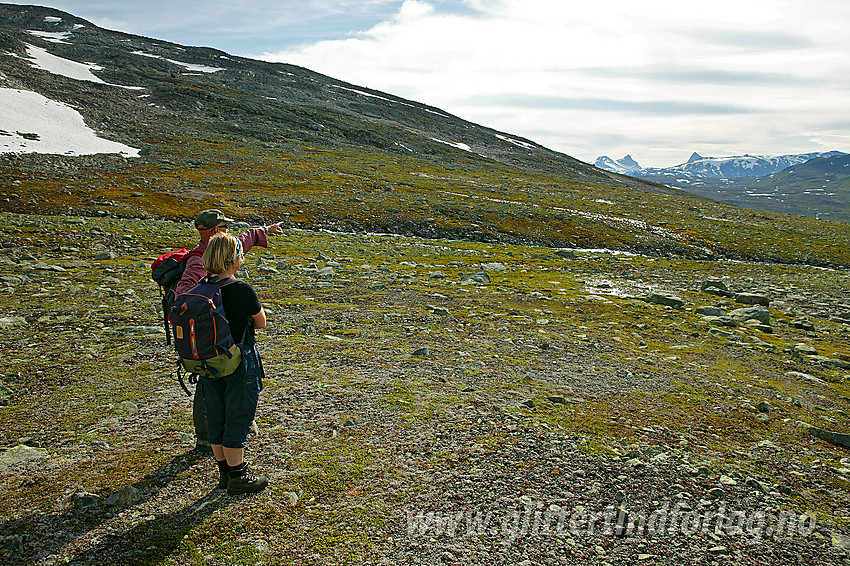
128 406
124 497
759 313
716 493
803 324
709 311
480 277
85 501
439 311
828 362
138 330
835 438
804 349
715 286
352 420
720 320
5 395
292 497
665 299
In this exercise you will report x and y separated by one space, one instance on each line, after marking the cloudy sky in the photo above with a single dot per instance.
656 79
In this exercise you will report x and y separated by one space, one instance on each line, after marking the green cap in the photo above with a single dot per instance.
210 218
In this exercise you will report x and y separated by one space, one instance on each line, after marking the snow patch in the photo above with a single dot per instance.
52 36
458 145
144 54
519 143
32 123
42 59
189 66
369 94
197 68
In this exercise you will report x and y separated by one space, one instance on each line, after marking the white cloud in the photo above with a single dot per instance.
609 63
657 79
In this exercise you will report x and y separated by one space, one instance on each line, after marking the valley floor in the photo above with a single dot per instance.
428 402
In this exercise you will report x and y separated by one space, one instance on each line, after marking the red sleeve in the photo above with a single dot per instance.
194 272
253 237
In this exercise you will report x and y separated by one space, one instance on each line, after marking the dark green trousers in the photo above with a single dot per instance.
199 414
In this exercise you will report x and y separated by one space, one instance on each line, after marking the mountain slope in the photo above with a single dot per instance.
275 141
819 188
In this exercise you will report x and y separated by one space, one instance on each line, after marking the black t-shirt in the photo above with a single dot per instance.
240 303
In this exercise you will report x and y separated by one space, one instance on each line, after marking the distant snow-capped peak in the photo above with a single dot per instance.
699 167
624 166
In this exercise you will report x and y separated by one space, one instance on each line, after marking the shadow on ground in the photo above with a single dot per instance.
150 540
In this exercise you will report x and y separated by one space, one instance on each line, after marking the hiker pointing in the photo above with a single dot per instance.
209 223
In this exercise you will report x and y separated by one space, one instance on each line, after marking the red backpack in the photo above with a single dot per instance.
167 270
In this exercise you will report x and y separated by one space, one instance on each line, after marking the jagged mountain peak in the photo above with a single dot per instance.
629 161
625 166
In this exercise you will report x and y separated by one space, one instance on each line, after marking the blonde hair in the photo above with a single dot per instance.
222 250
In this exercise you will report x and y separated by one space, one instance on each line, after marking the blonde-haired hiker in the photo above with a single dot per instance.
209 223
231 400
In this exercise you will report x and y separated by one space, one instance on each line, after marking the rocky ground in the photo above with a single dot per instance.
429 402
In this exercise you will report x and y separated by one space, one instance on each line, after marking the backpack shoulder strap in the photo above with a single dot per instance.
186 257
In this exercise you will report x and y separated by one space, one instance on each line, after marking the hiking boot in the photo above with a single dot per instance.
243 481
203 446
223 474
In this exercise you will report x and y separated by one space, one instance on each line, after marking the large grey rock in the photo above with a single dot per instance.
803 377
758 313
